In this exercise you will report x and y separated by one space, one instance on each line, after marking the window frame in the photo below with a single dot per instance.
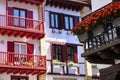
50 20
56 55
19 19
69 16
20 48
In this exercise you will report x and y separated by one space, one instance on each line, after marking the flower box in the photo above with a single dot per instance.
72 64
83 37
56 62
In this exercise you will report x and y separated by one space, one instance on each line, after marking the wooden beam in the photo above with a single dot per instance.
2 71
9 71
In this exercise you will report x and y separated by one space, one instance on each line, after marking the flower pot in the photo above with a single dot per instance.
83 37
98 30
116 21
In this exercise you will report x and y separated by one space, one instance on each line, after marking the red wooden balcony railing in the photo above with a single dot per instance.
22 60
22 23
37 2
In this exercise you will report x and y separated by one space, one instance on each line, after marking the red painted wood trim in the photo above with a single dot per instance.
51 50
6 13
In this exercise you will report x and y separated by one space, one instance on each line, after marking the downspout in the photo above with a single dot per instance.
6 13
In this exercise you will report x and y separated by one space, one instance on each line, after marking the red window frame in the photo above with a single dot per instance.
25 77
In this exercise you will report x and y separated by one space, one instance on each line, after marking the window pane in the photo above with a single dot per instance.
16 20
23 49
70 53
52 20
22 13
66 22
16 47
16 12
71 22
57 54
56 21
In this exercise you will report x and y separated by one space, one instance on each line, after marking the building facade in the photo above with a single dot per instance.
21 29
63 48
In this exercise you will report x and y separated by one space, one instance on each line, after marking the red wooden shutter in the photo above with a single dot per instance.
76 20
61 21
10 19
30 50
29 22
64 53
10 48
75 54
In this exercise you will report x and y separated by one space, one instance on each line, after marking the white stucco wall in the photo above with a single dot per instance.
51 77
3 46
6 76
96 4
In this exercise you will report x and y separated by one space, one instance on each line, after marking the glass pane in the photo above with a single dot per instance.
52 20
22 22
56 21
22 13
71 22
16 12
23 49
66 22
16 19
16 47
15 79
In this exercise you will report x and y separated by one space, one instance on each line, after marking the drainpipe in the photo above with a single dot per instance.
6 13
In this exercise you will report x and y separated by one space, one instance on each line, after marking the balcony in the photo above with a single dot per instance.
22 63
36 2
21 27
100 34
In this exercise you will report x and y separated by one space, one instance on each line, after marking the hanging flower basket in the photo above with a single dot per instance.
98 30
103 16
83 37
116 21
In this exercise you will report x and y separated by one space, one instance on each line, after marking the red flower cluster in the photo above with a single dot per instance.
96 17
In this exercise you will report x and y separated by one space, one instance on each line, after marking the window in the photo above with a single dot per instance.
19 78
69 23
19 21
57 52
62 21
65 52
54 20
70 50
20 48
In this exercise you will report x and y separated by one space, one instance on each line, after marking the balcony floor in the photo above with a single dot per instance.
21 32
104 54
